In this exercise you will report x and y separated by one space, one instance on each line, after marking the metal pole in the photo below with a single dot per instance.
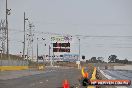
44 44
24 39
32 45
50 57
53 58
32 52
24 43
79 55
7 30
79 49
44 50
37 50
1 58
27 57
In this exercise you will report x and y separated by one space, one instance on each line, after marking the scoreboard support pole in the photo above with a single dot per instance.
50 58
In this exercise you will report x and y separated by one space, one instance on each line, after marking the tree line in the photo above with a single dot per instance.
111 59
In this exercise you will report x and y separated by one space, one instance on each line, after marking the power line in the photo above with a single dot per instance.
84 36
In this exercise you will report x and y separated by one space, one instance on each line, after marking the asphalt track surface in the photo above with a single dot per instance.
120 74
48 79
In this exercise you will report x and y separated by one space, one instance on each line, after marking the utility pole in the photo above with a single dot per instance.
24 36
7 13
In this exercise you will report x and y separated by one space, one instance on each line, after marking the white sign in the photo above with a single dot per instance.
61 38
78 62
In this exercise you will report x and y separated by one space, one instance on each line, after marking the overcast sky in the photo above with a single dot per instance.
75 17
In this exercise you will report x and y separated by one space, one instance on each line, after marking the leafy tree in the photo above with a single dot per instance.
112 58
93 59
100 59
125 61
117 60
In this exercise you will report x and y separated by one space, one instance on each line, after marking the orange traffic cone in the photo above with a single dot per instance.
66 84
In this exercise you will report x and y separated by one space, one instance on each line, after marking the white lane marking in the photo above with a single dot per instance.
121 87
110 77
40 82
106 75
50 71
33 84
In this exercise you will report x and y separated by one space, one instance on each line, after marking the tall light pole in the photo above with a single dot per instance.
79 49
24 36
78 62
50 58
37 50
7 13
44 43
44 49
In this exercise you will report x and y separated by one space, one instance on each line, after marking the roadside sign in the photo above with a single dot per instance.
78 62
83 57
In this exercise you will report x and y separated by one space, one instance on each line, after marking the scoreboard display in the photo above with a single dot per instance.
61 47
61 50
61 44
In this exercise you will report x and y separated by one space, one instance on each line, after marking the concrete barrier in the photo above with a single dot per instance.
125 67
12 68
